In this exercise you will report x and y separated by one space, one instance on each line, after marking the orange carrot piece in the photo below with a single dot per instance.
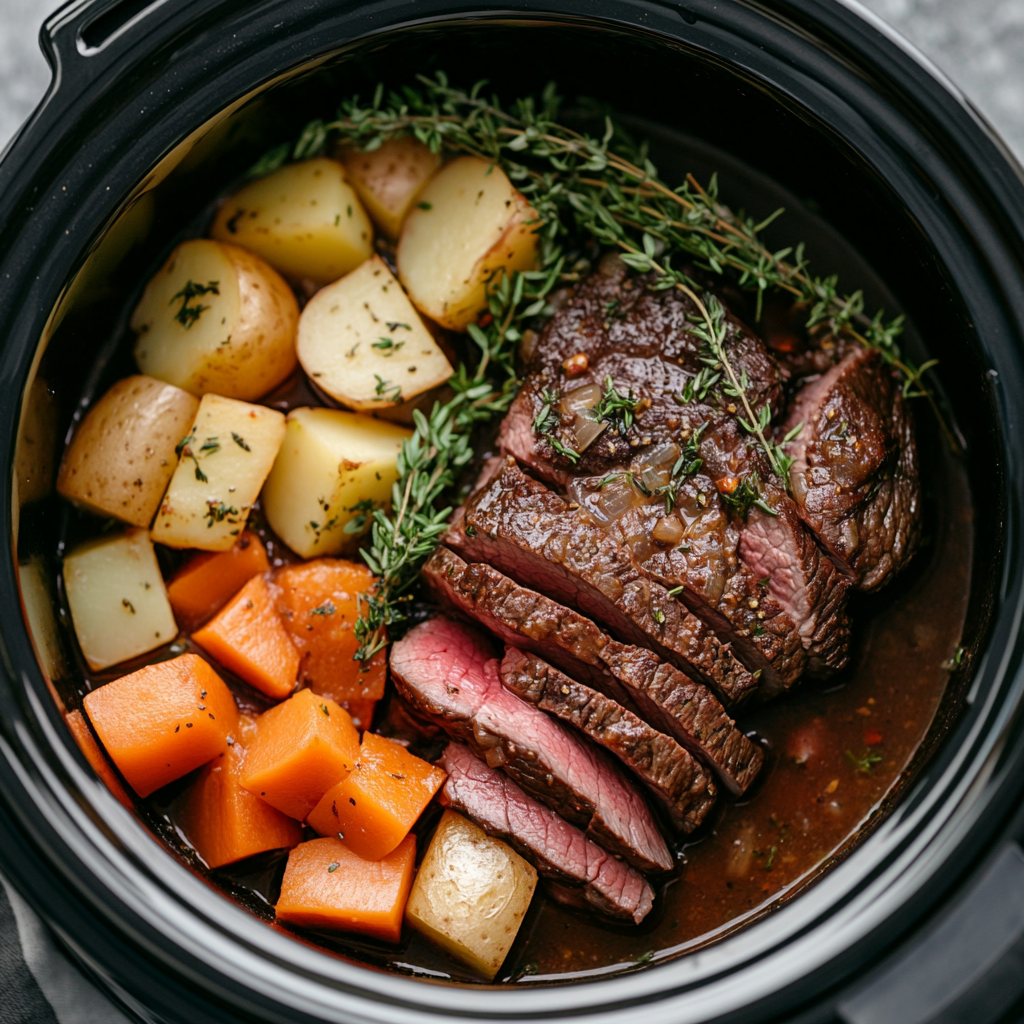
301 748
94 755
248 637
360 710
326 885
159 723
226 823
374 807
202 587
319 605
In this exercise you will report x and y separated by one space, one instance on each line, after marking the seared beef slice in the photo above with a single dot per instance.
676 780
527 531
644 341
648 348
633 676
579 871
445 670
855 476
780 620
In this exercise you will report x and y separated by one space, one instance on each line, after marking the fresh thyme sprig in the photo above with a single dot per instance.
546 422
617 409
626 199
432 459
600 187
607 188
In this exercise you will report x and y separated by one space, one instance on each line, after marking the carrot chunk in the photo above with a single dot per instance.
300 749
209 580
226 823
374 807
248 637
159 723
360 710
95 756
319 605
326 885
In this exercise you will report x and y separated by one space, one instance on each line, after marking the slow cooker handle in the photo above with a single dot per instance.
84 38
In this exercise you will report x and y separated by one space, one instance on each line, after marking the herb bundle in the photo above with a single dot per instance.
603 188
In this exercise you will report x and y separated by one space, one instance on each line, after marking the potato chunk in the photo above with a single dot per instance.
389 178
469 224
333 469
363 342
305 220
471 894
223 462
122 456
118 601
216 319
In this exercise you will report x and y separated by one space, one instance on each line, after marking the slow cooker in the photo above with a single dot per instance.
155 106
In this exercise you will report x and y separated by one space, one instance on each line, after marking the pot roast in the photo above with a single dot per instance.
650 574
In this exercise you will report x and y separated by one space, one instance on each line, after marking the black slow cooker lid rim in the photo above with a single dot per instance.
51 714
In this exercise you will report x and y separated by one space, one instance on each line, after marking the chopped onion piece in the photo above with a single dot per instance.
661 455
668 530
617 498
580 399
586 429
654 478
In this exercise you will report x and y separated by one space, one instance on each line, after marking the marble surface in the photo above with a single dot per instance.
979 44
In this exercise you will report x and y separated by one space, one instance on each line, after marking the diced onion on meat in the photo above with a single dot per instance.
586 429
617 498
658 463
581 399
579 403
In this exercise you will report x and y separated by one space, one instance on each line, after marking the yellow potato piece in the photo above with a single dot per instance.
362 341
223 461
471 894
305 220
469 224
117 597
122 455
389 178
216 319
333 469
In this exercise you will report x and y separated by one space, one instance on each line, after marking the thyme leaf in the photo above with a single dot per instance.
865 763
546 422
187 315
745 495
616 409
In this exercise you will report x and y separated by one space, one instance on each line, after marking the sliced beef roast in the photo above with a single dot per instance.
633 676
648 349
679 783
580 872
645 342
854 475
519 526
446 670
802 579
702 556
